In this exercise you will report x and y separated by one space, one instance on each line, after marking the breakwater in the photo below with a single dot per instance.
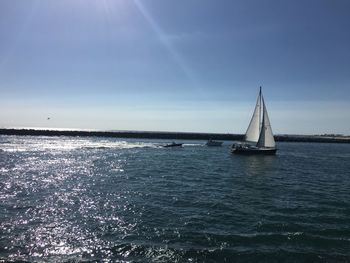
171 135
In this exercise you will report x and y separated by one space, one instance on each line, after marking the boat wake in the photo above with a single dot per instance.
39 144
193 145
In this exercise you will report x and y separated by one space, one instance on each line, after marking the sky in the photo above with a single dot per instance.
166 65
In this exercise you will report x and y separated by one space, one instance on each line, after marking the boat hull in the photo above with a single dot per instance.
173 145
214 143
254 151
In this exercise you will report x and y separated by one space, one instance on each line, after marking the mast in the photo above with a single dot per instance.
260 121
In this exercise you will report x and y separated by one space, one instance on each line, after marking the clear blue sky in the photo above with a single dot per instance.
193 65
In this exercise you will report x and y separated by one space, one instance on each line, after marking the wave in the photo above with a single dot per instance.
144 253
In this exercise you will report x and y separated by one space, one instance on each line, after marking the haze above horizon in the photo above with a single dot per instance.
191 66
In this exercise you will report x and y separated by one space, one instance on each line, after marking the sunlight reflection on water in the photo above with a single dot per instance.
87 199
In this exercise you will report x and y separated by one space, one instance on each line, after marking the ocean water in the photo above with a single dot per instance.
65 199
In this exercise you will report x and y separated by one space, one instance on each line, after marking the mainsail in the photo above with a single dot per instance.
266 137
253 131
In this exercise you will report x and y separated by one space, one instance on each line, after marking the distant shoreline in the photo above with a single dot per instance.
172 135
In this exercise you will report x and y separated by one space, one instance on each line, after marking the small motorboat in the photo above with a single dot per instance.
211 142
173 144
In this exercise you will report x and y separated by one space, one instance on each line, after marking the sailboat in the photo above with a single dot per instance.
258 137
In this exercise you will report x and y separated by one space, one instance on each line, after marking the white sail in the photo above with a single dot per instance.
266 137
253 131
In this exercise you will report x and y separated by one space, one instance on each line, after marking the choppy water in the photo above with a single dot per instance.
88 199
